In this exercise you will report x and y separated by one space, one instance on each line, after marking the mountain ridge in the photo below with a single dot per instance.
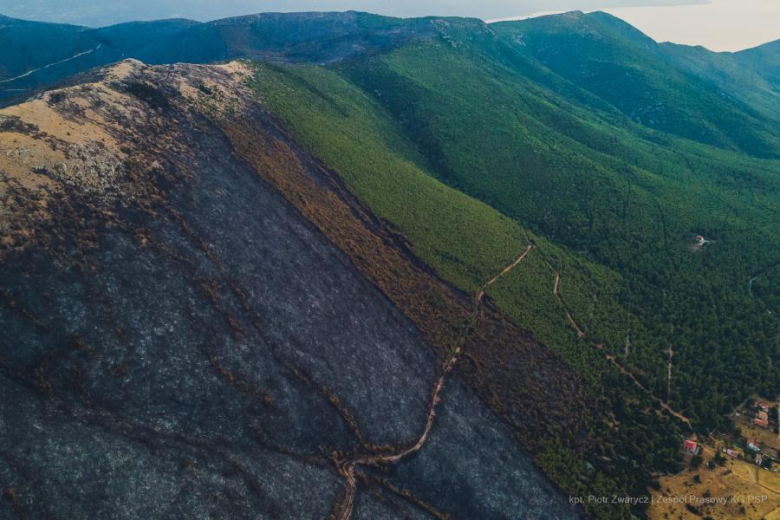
123 176
460 239
749 104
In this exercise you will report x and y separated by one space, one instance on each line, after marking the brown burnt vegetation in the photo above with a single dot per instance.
133 117
64 172
92 157
240 382
14 496
517 376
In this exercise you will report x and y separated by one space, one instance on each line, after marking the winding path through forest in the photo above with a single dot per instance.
669 374
582 335
347 467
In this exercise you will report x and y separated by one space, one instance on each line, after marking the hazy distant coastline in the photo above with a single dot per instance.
98 13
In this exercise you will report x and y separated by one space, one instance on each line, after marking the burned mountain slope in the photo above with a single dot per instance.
191 325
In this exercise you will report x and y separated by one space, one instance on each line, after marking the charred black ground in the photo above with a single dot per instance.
194 346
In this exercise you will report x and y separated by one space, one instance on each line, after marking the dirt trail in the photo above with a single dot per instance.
31 72
582 335
348 467
639 385
575 326
503 273
669 375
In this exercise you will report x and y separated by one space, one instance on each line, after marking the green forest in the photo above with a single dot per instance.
473 149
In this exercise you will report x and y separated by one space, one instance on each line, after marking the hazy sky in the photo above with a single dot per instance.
721 25
716 24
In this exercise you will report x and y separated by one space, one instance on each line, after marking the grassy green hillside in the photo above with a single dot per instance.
575 133
736 75
621 196
765 60
468 242
472 148
656 85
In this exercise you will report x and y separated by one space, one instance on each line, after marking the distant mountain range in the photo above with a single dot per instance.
48 50
730 99
301 265
95 13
